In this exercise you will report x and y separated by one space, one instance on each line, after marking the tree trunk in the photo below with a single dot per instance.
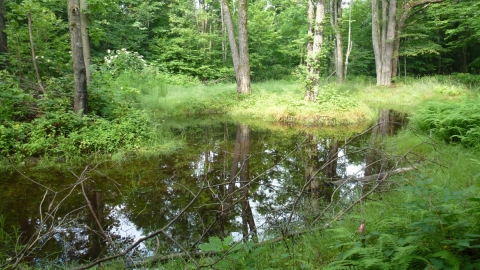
309 60
34 56
79 72
3 37
85 39
313 74
240 55
376 39
336 21
386 46
349 42
243 87
224 34
387 60
383 45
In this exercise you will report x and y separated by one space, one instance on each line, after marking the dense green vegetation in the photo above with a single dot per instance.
156 60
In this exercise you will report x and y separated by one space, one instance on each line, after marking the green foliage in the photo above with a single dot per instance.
468 80
235 255
436 229
16 103
122 60
451 122
50 37
6 242
65 135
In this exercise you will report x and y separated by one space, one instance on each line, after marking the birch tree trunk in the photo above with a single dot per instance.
3 37
240 55
336 21
85 39
349 42
80 105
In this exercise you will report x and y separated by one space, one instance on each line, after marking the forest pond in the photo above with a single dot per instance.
230 179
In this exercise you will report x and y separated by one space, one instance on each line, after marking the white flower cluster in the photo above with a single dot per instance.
124 59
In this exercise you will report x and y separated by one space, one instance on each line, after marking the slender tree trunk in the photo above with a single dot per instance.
34 56
85 39
310 80
79 72
3 37
349 42
336 21
224 35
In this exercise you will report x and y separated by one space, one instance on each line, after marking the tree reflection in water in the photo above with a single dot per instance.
248 191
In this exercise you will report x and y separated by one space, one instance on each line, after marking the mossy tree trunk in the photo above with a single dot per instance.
315 32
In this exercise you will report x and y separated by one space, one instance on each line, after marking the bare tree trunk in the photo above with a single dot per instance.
79 72
3 37
336 21
386 46
243 87
387 60
85 39
34 56
309 61
231 36
383 44
240 55
349 42
313 75
224 34
376 39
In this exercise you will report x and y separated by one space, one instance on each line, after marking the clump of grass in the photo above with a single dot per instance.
407 97
285 103
191 100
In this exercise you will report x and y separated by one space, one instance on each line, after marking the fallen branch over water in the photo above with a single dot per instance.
374 177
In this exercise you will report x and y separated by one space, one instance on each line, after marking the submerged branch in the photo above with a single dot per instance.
374 177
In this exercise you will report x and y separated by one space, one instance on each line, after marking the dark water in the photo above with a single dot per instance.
239 180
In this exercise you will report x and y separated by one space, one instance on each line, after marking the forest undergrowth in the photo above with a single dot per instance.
425 219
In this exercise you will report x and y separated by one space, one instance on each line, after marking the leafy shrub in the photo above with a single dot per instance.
117 61
451 122
15 103
328 96
65 134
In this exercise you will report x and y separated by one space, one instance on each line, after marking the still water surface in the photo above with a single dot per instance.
240 181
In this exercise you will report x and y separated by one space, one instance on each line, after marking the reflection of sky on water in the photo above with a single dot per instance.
161 189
